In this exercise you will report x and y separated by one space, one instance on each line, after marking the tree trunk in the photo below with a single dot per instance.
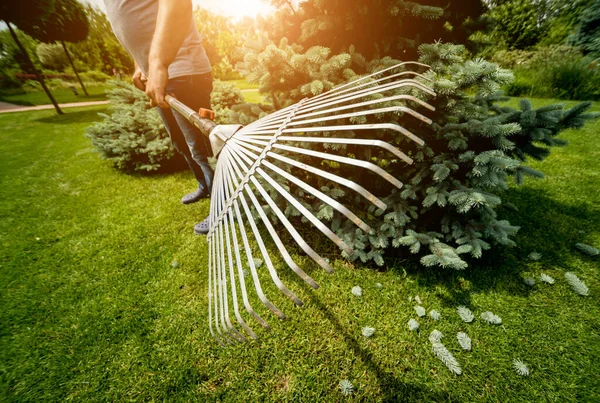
74 69
38 75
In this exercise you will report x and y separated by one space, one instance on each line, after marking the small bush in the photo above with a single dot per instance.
133 136
95 76
574 79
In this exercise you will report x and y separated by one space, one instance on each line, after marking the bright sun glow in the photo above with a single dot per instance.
236 8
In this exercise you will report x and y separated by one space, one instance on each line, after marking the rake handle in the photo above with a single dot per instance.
204 125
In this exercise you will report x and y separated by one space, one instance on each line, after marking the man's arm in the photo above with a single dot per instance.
172 25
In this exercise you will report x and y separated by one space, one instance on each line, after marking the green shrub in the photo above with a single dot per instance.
224 96
574 79
450 207
521 86
132 136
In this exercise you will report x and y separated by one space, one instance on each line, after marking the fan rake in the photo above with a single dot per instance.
247 158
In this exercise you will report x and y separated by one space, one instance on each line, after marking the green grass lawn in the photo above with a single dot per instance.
62 95
93 308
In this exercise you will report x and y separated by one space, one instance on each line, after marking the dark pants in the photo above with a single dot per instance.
194 91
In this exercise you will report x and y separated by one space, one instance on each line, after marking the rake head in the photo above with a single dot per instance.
249 168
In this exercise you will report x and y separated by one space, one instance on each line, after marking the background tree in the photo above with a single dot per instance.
27 14
101 50
587 35
68 22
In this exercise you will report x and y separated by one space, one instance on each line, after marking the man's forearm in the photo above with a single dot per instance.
172 26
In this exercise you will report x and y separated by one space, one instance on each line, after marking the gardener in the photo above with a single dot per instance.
162 38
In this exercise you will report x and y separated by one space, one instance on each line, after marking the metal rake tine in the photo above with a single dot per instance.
230 216
265 253
334 178
310 189
223 273
389 126
251 264
363 78
232 275
216 296
290 228
338 140
218 305
210 298
282 249
314 220
347 98
378 83
344 160
313 104
365 112
365 103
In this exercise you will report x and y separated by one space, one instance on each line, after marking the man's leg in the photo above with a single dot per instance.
180 145
194 91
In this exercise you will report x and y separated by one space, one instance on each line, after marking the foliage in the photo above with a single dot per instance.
464 340
413 325
52 56
446 357
25 14
435 315
450 205
576 284
587 249
220 39
547 279
346 387
394 27
588 31
520 367
101 50
490 318
465 314
133 136
224 96
556 71
516 24
66 22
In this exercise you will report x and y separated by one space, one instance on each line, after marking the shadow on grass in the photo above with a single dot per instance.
548 226
392 388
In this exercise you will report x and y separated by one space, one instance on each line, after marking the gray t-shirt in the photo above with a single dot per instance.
134 22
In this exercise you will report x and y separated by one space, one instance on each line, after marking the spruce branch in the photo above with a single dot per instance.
535 256
446 357
435 315
346 387
436 336
546 279
587 249
578 286
491 318
464 341
465 314
357 291
368 331
529 281
520 367
413 325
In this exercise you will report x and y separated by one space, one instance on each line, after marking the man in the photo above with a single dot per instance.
162 38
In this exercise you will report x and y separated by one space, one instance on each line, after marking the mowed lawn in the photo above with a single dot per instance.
103 293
